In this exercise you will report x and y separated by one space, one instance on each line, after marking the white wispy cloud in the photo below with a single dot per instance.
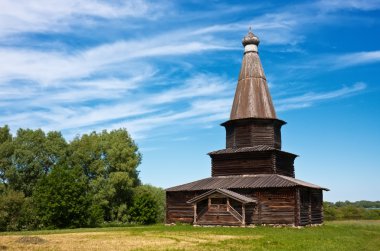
331 62
355 58
336 5
199 85
288 25
139 114
311 98
279 28
83 90
114 83
49 67
198 113
44 15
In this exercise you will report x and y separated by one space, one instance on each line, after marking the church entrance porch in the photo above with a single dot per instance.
220 207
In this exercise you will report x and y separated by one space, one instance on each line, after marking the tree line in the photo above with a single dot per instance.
48 182
346 210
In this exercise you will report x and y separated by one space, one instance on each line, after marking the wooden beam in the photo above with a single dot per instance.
195 213
259 198
297 209
321 201
228 204
309 207
243 214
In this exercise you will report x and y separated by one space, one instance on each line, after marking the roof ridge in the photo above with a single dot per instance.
300 182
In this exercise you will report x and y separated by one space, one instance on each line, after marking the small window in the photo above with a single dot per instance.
218 201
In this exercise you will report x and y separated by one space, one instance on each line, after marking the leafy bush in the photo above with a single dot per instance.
329 211
349 211
11 203
29 219
372 214
145 208
158 194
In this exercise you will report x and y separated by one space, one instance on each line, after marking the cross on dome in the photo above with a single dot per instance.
250 38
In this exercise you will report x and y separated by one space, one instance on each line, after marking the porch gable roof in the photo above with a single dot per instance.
228 193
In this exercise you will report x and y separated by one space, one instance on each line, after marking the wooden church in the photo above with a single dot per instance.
252 180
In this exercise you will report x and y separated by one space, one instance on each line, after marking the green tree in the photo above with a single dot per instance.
329 211
62 199
53 183
100 154
352 212
11 203
55 150
34 155
6 152
145 208
372 214
110 161
28 219
158 194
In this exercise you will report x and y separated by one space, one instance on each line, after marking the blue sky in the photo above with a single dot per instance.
167 71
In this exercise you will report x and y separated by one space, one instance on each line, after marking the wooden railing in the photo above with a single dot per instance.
226 208
235 213
202 212
219 207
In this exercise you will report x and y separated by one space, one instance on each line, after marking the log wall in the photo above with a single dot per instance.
316 206
274 206
247 133
311 207
243 163
268 162
177 210
284 164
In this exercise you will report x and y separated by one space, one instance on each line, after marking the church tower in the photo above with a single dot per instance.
253 133
252 180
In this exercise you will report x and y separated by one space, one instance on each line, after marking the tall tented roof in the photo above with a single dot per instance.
252 97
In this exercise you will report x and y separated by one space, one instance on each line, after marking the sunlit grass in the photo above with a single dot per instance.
339 235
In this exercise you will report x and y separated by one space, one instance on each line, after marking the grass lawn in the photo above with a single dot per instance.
338 235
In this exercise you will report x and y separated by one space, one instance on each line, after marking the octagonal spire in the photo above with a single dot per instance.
252 98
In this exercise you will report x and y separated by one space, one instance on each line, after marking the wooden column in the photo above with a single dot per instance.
167 211
228 204
195 213
243 214
309 207
259 206
297 209
321 201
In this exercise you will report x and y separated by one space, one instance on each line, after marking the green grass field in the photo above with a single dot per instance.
339 235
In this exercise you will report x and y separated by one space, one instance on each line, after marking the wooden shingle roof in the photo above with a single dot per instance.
244 181
252 98
258 148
